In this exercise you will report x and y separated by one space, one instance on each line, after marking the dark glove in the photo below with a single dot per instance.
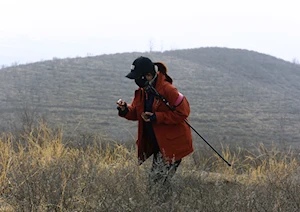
123 112
153 117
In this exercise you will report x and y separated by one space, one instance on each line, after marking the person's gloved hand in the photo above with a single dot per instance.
148 116
121 105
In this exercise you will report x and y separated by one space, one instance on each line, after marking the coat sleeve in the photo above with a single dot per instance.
182 107
131 113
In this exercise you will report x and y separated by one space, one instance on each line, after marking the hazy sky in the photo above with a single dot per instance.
34 30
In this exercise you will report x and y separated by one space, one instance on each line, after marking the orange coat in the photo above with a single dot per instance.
173 135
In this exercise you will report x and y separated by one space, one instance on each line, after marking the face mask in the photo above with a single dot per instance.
141 81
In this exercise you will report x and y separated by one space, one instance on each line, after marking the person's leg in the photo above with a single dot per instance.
157 169
161 171
171 169
160 176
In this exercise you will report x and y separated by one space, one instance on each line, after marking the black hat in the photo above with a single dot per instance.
140 66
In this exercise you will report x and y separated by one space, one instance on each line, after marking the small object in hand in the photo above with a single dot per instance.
145 116
121 103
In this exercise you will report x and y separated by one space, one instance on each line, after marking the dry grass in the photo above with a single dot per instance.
39 172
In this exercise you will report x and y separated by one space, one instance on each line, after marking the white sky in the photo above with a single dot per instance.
34 30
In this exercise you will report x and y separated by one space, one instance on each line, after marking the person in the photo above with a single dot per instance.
162 132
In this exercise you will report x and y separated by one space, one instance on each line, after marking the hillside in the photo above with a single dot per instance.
236 96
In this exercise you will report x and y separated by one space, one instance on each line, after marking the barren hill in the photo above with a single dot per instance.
236 96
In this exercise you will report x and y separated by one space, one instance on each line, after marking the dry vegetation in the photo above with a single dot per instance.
40 171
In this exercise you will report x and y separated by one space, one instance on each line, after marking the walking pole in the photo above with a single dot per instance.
173 108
